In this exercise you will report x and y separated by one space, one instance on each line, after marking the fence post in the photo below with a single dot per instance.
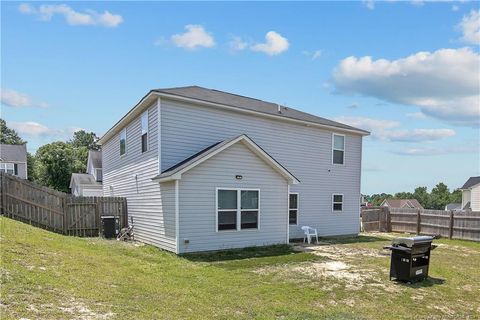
98 210
65 214
418 222
389 218
450 229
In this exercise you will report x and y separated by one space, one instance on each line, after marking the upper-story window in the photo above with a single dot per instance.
338 149
144 121
123 141
99 174
10 168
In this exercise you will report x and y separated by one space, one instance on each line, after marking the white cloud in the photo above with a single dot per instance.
313 55
455 8
417 3
195 36
17 99
417 115
274 44
385 130
470 27
443 84
31 128
237 44
45 12
435 151
370 4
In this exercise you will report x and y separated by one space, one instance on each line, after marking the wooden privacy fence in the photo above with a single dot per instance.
452 224
57 211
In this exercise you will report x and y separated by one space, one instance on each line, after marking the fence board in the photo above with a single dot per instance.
454 225
57 211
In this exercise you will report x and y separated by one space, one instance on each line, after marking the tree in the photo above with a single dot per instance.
377 199
456 196
440 196
82 138
9 136
31 167
422 196
55 163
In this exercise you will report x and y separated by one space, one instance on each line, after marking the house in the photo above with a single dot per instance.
13 159
402 203
453 207
471 194
90 183
205 170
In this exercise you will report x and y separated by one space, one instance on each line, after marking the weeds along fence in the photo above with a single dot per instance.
463 225
57 211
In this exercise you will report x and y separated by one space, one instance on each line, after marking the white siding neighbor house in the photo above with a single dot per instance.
13 159
89 184
471 194
206 170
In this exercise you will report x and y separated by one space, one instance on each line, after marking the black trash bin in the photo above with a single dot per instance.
110 226
410 258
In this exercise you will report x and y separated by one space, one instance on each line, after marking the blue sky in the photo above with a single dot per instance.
406 71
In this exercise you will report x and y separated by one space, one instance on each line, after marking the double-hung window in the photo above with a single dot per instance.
293 208
337 202
338 149
237 209
10 168
144 121
123 141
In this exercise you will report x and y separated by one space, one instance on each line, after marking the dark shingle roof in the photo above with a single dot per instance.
242 102
14 153
453 206
402 203
471 182
96 158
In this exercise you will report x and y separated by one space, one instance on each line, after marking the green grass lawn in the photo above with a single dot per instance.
48 276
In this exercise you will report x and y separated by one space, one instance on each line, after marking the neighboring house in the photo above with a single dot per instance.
402 203
471 194
453 207
13 159
90 183
206 170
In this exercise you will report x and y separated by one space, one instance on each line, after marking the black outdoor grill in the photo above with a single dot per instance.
410 258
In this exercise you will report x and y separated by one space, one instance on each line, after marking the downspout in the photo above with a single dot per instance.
288 213
177 222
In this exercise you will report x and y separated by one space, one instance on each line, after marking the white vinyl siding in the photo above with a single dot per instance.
198 204
475 198
305 151
130 176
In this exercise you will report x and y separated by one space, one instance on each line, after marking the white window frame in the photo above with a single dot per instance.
333 148
333 202
123 132
142 117
239 209
5 166
297 208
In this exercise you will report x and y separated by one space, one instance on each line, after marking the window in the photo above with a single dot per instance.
10 168
237 209
123 141
99 174
337 202
144 121
338 149
293 208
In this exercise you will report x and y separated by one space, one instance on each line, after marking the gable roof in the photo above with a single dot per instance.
13 153
227 100
83 178
252 104
95 158
175 172
472 181
402 203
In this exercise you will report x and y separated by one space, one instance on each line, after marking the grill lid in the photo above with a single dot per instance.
412 241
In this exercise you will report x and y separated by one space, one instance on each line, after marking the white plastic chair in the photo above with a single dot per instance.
309 233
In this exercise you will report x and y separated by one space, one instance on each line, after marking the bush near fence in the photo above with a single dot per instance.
57 211
464 225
